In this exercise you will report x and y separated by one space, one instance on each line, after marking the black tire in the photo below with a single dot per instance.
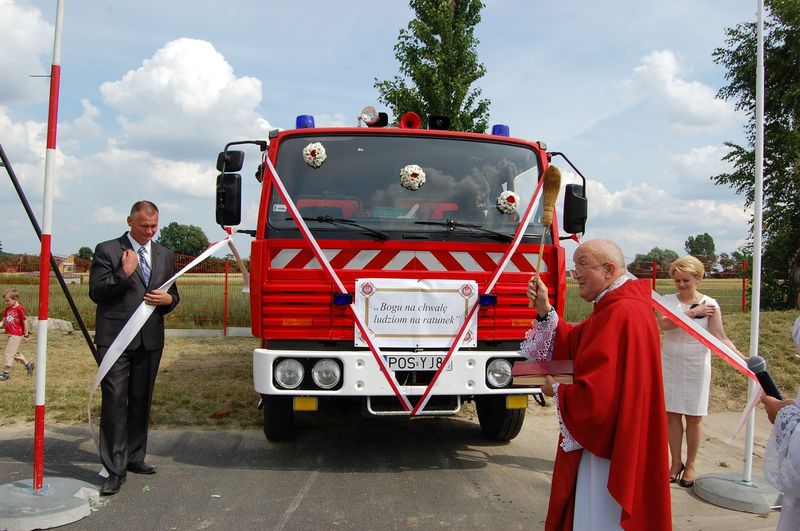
279 418
497 422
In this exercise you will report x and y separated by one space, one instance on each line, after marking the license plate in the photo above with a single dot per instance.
417 362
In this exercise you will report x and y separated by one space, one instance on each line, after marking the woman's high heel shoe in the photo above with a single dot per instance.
677 477
685 483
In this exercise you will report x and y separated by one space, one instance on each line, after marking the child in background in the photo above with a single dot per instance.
16 324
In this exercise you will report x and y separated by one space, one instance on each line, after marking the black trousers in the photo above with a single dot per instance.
125 412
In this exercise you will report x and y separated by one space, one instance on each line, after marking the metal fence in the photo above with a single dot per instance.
212 296
730 289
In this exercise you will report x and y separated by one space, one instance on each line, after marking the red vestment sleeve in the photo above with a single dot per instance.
615 409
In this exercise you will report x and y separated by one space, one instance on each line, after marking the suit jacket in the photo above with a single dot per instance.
117 296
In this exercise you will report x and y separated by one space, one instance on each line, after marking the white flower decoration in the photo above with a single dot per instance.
412 177
314 154
508 202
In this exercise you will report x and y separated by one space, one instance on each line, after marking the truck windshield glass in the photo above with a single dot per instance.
359 180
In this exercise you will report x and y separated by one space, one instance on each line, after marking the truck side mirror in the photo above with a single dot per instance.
575 207
229 198
230 161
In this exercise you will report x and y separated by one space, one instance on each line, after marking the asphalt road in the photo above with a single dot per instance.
347 473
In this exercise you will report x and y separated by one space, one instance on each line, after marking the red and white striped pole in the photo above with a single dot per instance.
44 257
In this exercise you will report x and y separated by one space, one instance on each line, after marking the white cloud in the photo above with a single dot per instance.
70 135
108 214
643 216
689 103
704 161
692 172
185 102
24 37
143 172
25 146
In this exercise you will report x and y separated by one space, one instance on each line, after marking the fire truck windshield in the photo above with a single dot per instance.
359 180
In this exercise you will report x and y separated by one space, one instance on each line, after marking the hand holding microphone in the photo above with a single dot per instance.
758 366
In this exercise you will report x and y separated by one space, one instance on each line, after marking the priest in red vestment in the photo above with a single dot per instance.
611 469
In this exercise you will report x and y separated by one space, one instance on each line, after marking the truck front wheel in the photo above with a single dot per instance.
278 418
497 422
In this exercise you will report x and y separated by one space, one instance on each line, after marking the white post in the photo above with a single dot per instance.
755 306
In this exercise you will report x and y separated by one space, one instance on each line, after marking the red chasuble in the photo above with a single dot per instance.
615 409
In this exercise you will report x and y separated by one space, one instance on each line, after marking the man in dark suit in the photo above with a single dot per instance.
125 271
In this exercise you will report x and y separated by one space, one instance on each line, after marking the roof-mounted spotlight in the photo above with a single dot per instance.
438 122
372 118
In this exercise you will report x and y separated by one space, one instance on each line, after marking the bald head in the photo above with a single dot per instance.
598 263
604 251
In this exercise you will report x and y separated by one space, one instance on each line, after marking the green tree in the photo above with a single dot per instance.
183 239
733 263
781 198
642 265
85 252
702 248
438 58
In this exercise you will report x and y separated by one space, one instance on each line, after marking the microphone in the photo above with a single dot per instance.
758 365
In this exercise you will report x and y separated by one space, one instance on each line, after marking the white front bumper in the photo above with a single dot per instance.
362 375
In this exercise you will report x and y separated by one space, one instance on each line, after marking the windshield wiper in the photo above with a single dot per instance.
348 224
452 224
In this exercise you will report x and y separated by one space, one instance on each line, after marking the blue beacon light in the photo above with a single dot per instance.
500 130
488 299
304 121
342 299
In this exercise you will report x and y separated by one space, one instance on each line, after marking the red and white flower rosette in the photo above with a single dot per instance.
412 177
508 202
314 154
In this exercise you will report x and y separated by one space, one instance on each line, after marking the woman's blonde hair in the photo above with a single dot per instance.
687 264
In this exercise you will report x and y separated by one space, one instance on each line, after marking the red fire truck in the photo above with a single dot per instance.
412 222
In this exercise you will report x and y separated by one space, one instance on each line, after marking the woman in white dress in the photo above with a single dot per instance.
687 366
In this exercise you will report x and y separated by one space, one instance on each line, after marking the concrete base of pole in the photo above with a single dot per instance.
731 492
60 502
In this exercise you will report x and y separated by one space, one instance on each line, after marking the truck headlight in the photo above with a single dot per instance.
289 373
498 373
326 373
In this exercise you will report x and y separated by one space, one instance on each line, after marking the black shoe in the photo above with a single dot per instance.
685 483
29 367
676 477
112 485
141 467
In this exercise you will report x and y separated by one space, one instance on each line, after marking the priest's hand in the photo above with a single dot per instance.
547 388
537 294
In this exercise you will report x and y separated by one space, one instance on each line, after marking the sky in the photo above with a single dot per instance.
151 92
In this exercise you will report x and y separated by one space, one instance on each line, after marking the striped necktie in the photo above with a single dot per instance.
145 266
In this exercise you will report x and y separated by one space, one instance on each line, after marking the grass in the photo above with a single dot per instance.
202 300
207 382
202 382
